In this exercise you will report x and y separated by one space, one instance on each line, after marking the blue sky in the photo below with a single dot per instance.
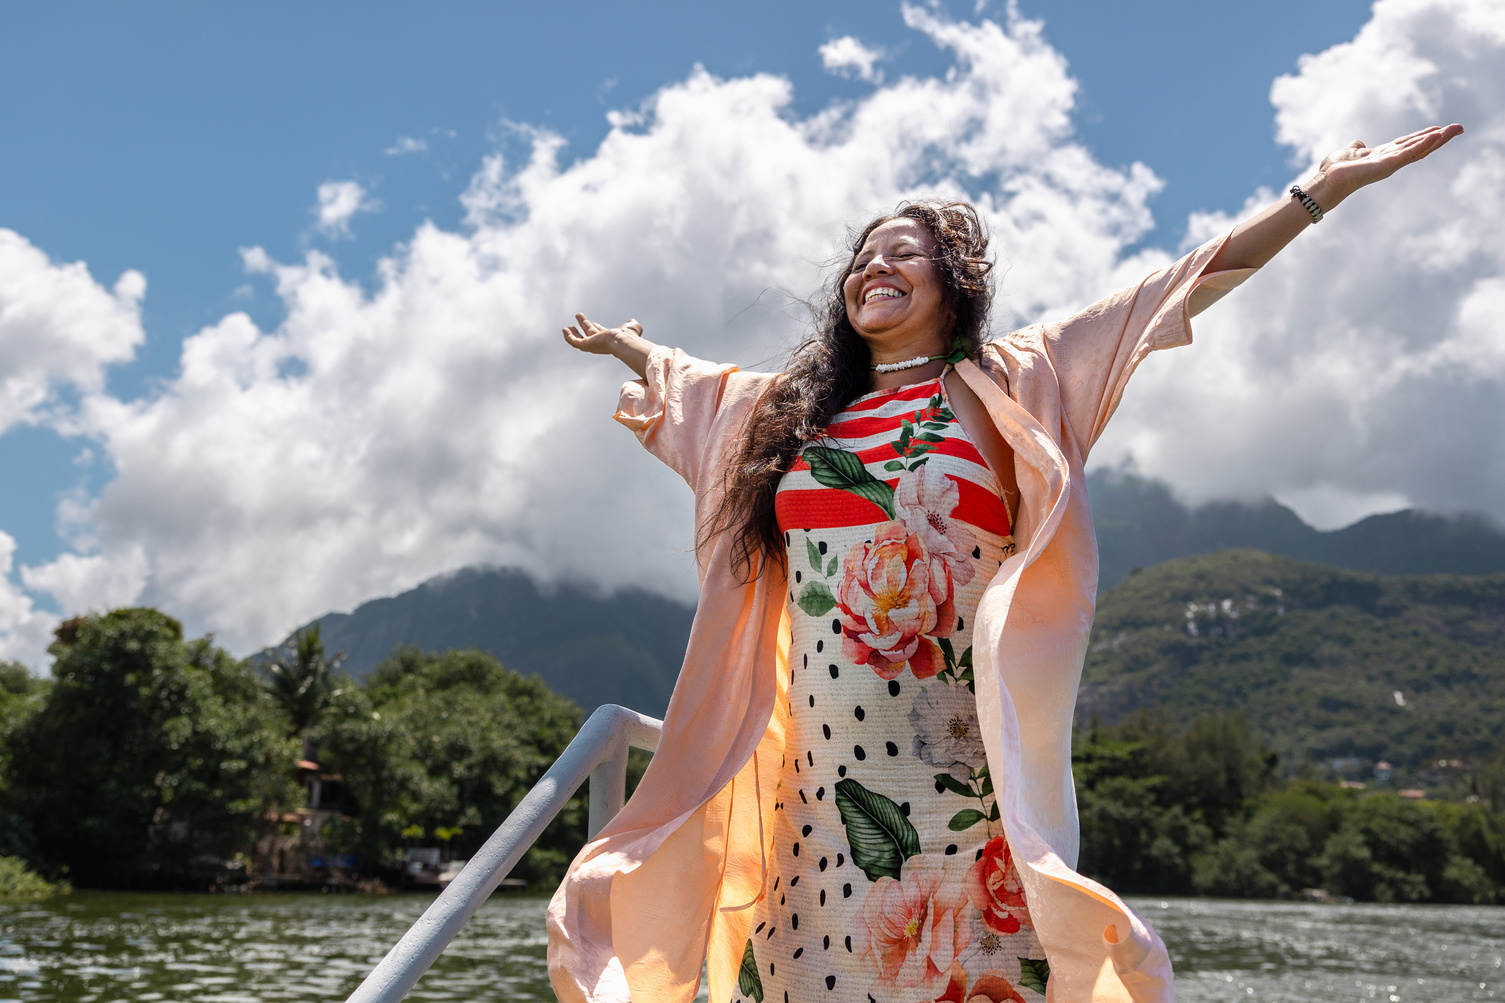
165 137
169 138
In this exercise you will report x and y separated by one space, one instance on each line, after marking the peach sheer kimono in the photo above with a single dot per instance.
670 882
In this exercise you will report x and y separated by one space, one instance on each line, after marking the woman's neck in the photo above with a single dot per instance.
906 377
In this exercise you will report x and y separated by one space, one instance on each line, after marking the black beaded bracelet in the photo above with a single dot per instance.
1308 203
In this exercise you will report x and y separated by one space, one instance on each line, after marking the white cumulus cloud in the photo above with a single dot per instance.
338 202
850 58
1364 369
25 631
376 438
434 418
94 582
59 328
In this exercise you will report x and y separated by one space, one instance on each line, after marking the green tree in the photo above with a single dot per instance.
1131 840
1217 768
302 678
21 694
148 751
1387 849
445 742
1152 800
1371 847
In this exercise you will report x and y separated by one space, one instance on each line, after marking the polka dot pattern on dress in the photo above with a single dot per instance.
860 829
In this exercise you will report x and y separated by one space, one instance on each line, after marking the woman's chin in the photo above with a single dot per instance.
880 324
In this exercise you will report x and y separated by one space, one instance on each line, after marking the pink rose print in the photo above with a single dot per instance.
892 601
924 501
913 929
956 987
991 987
993 885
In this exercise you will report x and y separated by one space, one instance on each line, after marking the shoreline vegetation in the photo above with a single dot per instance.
17 881
1205 811
151 761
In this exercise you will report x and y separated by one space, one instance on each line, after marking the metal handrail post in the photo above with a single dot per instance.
608 788
600 747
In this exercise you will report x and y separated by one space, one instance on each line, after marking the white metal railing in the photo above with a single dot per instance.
598 751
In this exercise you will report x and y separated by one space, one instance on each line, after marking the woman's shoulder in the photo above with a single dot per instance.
1006 352
742 390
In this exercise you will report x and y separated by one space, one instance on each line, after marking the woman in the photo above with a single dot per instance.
863 790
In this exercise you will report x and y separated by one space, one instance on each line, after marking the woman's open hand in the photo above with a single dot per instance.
588 336
626 342
1356 165
1258 239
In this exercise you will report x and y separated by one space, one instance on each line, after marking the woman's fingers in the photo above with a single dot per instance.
588 336
585 340
1429 138
1363 165
1413 135
1421 144
1446 131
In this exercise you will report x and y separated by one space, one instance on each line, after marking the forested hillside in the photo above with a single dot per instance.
1327 664
597 647
589 645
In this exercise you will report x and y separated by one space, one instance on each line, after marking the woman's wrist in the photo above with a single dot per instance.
625 343
632 350
1326 192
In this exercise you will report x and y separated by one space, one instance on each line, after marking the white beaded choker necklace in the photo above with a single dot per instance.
958 352
894 367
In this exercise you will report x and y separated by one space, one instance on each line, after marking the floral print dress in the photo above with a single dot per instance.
890 880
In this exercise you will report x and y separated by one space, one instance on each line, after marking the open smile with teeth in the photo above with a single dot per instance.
882 292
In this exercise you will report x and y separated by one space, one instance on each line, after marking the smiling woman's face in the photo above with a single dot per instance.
893 292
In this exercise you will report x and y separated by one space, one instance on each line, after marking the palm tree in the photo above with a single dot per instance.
302 679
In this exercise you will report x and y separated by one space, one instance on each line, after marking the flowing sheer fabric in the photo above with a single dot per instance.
671 881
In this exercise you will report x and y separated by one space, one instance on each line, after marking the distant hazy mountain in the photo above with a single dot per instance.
592 646
1139 524
626 647
1331 664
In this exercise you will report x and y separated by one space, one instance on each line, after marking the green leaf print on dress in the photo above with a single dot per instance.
880 836
912 445
837 468
816 599
1034 973
957 670
748 982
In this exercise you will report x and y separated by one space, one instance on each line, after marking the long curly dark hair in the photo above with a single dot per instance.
831 369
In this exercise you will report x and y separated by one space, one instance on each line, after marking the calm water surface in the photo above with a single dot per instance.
94 946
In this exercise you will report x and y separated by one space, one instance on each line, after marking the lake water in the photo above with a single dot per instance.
96 946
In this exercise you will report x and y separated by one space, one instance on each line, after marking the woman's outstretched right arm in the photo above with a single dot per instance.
625 342
672 406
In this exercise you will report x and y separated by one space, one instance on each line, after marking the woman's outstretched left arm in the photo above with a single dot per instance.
1258 239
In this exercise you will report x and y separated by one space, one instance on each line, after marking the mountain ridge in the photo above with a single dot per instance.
590 645
1140 524
626 647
